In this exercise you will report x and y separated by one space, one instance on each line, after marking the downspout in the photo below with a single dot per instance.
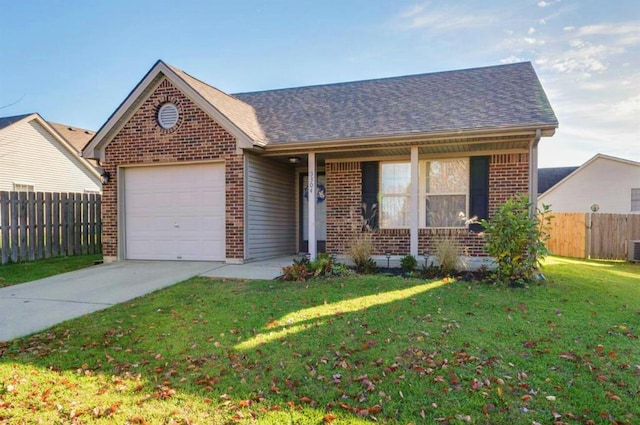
533 172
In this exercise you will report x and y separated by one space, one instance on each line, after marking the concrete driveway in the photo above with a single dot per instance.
33 306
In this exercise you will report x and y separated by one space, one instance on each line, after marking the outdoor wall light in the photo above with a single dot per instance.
105 176
295 160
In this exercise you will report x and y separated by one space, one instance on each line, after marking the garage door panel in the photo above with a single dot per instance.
175 212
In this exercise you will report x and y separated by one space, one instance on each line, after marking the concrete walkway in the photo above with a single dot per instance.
30 307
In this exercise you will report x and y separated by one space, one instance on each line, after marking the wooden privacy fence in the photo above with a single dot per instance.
593 235
39 225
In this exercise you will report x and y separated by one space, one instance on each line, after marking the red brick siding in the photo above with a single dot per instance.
344 199
197 138
508 175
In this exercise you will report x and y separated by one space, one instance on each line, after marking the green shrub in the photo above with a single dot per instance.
447 255
408 263
322 267
517 240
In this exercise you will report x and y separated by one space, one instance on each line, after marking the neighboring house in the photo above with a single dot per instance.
548 177
78 138
34 157
606 183
198 174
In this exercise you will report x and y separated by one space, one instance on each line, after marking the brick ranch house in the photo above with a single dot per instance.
198 174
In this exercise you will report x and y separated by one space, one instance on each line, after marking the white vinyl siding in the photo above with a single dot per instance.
605 181
271 209
30 154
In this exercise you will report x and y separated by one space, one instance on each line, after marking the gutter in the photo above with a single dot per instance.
533 172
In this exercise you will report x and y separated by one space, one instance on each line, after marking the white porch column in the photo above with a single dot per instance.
414 224
311 222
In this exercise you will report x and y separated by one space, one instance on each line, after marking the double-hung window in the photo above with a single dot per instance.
395 186
444 193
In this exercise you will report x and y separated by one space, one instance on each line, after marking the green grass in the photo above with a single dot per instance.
14 273
353 350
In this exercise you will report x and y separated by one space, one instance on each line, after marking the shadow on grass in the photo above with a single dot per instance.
267 349
354 350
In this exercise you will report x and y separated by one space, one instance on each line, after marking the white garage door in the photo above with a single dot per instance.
175 212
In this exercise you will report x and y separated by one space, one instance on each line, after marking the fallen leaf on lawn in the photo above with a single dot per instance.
612 396
328 418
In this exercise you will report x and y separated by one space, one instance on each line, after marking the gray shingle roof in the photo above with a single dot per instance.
548 177
496 97
7 121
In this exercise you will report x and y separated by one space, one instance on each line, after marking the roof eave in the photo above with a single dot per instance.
547 130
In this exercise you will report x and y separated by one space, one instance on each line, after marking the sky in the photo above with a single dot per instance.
74 62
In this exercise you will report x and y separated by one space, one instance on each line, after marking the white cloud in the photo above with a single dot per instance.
531 30
543 4
445 19
413 11
511 59
569 28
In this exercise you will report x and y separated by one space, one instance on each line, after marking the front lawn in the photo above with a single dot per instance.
14 273
351 350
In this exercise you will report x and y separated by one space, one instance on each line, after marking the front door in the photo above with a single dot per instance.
321 213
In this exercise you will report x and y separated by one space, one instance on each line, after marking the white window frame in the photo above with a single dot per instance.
635 199
23 187
422 187
423 193
406 195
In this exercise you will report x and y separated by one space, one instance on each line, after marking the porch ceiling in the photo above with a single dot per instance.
477 146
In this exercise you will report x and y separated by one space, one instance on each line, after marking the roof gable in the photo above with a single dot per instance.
226 111
497 97
7 121
55 136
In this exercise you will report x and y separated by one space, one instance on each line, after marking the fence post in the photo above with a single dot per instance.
5 248
48 227
85 223
57 226
31 228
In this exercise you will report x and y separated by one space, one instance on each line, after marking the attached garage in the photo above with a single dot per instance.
174 212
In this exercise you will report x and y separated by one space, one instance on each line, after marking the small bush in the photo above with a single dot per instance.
367 266
322 267
360 252
408 263
447 255
517 240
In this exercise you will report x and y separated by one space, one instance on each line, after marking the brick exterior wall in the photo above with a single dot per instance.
508 175
196 137
344 199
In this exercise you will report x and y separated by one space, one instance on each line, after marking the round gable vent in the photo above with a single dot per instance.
168 116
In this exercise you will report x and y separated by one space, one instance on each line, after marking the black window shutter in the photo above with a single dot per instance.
479 190
370 173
